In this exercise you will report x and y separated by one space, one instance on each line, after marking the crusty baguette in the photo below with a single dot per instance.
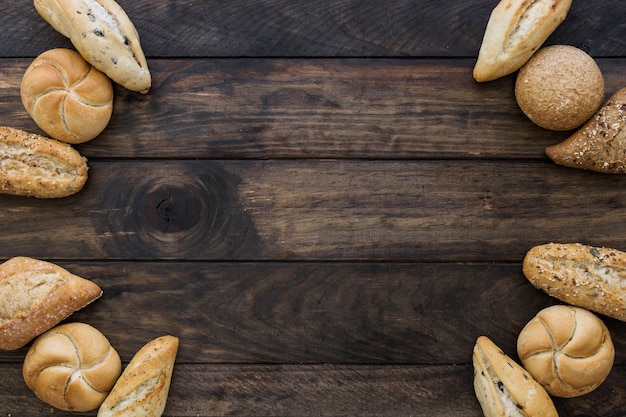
504 388
36 166
516 29
104 35
36 295
581 275
600 144
143 387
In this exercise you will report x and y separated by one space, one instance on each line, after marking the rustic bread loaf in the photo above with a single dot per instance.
504 388
104 35
568 350
584 276
599 145
36 166
36 295
72 367
143 388
66 96
560 88
516 29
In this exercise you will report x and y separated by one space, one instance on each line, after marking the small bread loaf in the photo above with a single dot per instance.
584 276
66 96
568 350
72 367
560 88
504 388
143 388
36 166
37 295
599 145
516 29
104 35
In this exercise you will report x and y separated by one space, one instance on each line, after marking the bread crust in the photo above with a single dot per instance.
36 166
581 275
516 29
104 35
36 295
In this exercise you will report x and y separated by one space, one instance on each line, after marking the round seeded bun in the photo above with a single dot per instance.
560 87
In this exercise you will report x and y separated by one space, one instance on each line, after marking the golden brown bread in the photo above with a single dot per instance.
516 29
585 276
72 367
104 35
504 388
143 388
66 96
560 88
568 350
36 295
600 144
36 166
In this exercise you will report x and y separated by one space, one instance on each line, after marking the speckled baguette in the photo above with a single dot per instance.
37 295
103 34
590 277
505 389
516 29
600 144
35 166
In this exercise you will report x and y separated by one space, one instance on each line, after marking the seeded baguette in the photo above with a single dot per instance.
35 166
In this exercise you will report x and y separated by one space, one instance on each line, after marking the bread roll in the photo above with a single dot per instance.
516 29
66 96
599 145
568 350
36 295
143 388
560 88
504 388
72 367
104 35
36 166
584 276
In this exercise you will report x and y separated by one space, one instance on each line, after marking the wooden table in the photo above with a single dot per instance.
320 202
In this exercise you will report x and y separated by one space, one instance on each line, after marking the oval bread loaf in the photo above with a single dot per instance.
36 166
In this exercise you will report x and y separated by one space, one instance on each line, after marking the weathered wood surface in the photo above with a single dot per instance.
319 200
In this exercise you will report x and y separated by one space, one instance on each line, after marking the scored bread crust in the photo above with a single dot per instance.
515 30
143 387
581 275
36 166
36 295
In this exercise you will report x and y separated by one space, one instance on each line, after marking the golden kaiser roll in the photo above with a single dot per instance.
67 97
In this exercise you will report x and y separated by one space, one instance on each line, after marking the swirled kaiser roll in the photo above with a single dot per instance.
36 166
67 97
104 35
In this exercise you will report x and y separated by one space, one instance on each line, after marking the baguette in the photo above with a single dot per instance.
585 276
104 35
143 387
516 29
504 388
36 166
36 295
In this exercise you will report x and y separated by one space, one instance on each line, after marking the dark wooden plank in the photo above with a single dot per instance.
287 28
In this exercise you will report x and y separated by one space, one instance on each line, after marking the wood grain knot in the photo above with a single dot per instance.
171 209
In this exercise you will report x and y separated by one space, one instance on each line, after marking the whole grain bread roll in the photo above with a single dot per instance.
37 295
585 276
72 367
516 29
36 166
104 35
143 387
568 350
504 388
66 96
